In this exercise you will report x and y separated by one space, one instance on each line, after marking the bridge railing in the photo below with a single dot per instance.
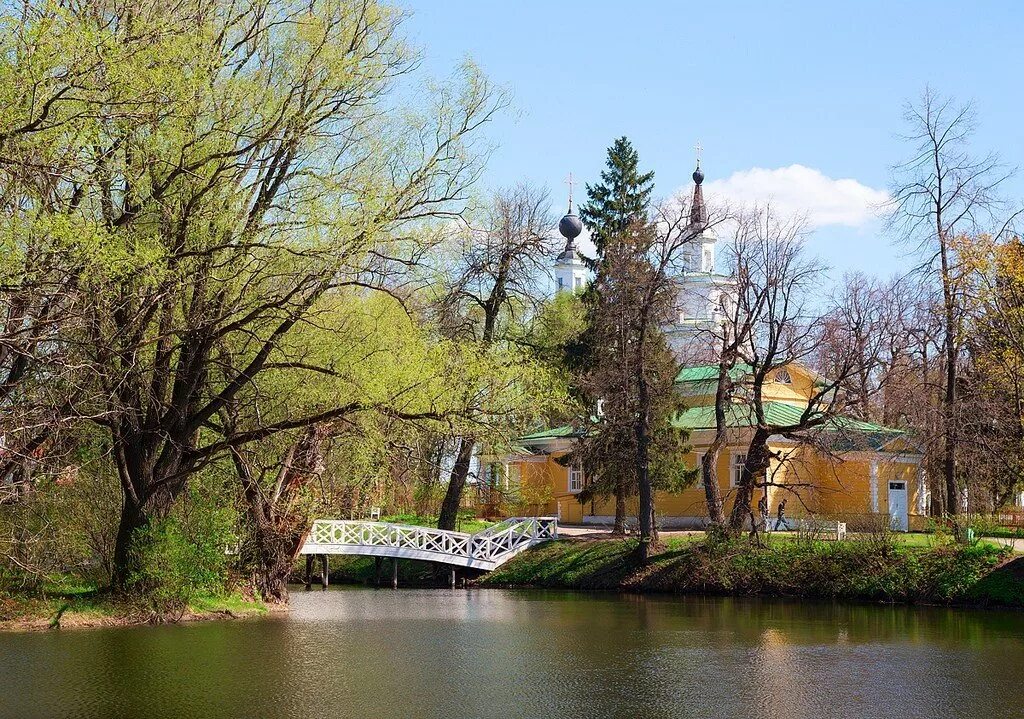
512 535
494 544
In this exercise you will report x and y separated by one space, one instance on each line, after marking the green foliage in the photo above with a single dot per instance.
61 533
182 558
620 198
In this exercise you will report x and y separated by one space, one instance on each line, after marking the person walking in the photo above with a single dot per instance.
780 518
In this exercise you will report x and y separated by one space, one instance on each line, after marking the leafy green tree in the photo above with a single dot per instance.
217 172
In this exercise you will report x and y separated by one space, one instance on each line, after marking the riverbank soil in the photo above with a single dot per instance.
868 569
33 613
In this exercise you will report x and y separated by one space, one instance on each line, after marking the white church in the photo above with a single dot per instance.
703 292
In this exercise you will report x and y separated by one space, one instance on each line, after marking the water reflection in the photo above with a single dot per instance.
483 653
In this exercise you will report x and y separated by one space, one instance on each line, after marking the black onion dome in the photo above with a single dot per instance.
698 175
570 226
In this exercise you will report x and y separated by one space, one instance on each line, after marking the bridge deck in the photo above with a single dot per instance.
485 550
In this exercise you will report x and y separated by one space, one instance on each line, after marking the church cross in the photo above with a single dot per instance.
697 148
569 182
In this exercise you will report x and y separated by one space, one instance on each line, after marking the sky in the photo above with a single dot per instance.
796 103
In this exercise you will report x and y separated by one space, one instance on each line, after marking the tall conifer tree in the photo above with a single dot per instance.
621 198
616 210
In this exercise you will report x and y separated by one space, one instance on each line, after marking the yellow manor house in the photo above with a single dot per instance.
868 471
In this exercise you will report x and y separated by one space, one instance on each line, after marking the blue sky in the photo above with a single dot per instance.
761 84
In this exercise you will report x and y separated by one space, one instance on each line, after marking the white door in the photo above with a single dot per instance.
898 505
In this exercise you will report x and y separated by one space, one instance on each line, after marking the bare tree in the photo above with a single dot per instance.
940 191
776 284
496 281
728 338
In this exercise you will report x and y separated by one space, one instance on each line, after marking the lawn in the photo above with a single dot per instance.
466 522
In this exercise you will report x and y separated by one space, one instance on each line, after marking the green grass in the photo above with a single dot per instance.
361 570
920 540
466 522
234 603
568 563
84 606
859 569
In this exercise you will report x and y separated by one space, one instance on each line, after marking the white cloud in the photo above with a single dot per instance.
800 190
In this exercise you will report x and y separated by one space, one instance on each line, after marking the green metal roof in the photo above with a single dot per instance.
851 434
709 373
553 433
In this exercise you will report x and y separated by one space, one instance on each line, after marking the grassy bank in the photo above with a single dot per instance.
70 610
864 570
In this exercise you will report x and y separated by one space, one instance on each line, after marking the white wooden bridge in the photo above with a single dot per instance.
486 550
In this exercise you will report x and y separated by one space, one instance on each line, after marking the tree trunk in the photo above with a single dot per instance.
646 519
712 492
139 508
620 509
756 464
643 446
949 400
709 463
271 555
457 482
126 559
275 531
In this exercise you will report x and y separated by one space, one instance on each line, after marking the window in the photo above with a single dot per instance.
700 471
782 377
736 469
561 283
577 282
513 476
575 479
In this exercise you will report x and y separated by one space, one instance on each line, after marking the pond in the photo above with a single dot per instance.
494 653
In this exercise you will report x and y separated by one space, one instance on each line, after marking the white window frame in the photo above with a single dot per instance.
513 475
736 462
700 470
575 479
782 376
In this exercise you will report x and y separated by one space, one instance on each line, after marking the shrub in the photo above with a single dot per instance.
61 528
183 557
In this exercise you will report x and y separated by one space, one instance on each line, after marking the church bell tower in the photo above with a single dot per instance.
570 270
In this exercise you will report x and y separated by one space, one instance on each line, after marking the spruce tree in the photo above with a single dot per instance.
621 198
616 210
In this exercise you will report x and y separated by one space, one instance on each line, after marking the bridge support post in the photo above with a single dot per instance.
309 571
324 571
394 573
451 578
377 562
